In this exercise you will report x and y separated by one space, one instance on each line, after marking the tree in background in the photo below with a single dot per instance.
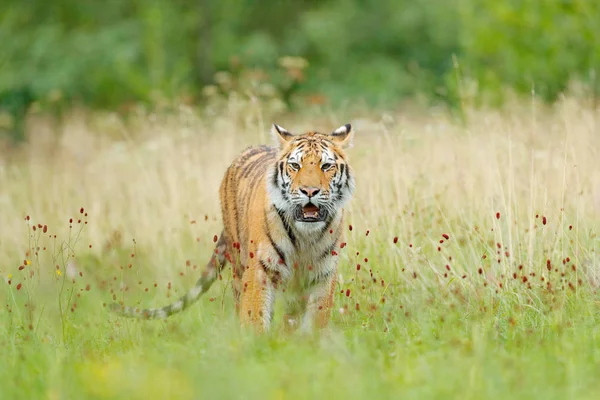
114 54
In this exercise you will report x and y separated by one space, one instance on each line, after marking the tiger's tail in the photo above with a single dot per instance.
209 275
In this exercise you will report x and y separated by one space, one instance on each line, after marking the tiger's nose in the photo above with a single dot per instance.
310 191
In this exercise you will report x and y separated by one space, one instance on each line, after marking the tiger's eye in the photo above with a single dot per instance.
326 166
295 166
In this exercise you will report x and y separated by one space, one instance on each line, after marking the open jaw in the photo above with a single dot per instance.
310 213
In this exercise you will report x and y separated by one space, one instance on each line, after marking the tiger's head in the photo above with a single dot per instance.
311 180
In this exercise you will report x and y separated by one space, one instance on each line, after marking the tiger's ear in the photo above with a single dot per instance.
281 135
343 136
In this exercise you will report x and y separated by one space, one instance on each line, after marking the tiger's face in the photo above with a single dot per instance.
312 180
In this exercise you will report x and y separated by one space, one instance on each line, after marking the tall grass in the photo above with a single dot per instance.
470 269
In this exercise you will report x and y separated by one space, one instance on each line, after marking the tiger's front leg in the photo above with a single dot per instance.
257 297
320 303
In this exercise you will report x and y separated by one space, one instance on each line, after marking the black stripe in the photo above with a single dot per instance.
328 251
347 177
274 275
323 277
325 228
251 151
328 274
236 224
276 174
329 143
343 170
265 266
277 248
249 167
287 227
256 175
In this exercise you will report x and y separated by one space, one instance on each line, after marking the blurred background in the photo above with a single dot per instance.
117 55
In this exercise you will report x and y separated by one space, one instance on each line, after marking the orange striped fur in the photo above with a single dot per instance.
282 212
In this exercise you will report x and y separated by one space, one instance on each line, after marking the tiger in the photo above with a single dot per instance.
282 211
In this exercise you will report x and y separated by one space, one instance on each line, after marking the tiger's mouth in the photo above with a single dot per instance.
310 213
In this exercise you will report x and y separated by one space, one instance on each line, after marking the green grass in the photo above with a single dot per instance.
505 307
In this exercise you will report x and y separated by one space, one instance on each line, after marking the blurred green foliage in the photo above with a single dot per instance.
115 53
528 44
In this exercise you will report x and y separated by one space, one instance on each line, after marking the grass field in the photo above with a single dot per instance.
488 292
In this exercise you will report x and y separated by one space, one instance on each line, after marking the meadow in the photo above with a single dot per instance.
471 267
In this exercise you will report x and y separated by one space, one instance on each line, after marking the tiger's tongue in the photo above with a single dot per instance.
310 211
